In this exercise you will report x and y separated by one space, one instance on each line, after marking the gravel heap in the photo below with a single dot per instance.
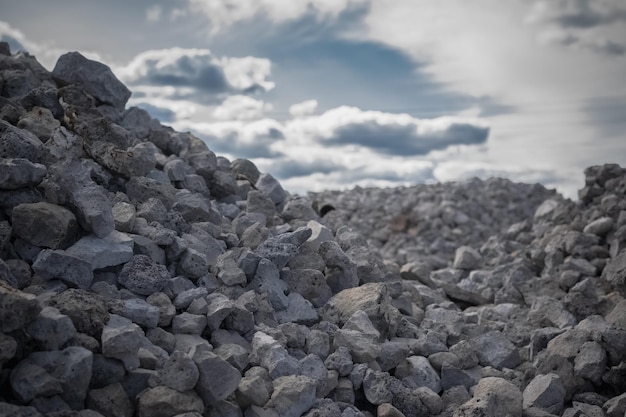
142 275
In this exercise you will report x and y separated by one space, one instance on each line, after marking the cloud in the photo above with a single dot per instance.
197 73
238 139
240 107
577 13
153 13
225 13
593 25
303 109
389 133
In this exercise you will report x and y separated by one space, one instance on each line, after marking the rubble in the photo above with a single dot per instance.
143 275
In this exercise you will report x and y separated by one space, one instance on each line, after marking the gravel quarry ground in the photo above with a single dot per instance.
143 275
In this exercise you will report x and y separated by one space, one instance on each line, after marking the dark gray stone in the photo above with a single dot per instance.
96 78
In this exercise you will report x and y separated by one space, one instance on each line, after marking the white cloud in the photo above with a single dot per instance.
224 13
486 49
240 107
303 109
197 72
153 13
387 133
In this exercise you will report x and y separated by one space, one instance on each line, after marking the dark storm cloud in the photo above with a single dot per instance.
406 140
197 74
289 168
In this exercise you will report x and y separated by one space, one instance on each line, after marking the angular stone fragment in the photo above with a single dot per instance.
115 249
110 401
121 339
179 372
590 362
143 276
60 264
44 224
87 310
136 310
493 397
17 308
30 381
615 273
19 173
51 329
599 227
494 349
267 352
19 143
545 392
217 378
293 395
40 122
71 367
96 78
162 401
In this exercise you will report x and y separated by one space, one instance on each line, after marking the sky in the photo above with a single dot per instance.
330 94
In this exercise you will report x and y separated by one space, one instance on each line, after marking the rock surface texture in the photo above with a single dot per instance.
142 275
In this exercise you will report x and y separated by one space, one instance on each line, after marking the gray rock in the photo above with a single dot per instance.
340 360
30 381
187 323
185 298
417 372
267 281
494 349
51 264
121 339
106 371
124 215
234 354
110 401
466 257
545 392
115 249
143 276
255 388
298 310
431 400
162 401
96 78
270 186
599 227
309 283
44 224
547 311
19 143
179 372
136 310
71 367
616 406
17 308
590 362
19 173
372 298
167 311
87 310
492 397
318 343
196 208
217 378
377 387
615 273
293 395
51 329
94 209
11 410
40 122
271 355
